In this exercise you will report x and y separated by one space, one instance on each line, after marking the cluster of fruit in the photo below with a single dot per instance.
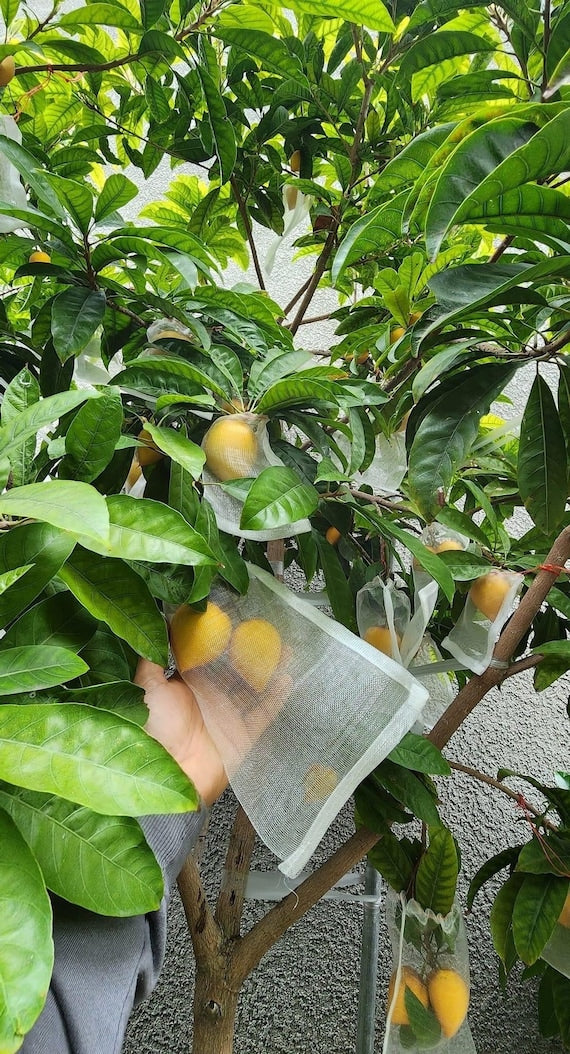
444 991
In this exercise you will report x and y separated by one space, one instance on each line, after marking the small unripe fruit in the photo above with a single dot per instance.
39 256
332 535
396 334
149 454
7 70
449 545
415 317
295 162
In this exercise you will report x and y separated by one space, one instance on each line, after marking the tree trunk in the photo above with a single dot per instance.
215 1006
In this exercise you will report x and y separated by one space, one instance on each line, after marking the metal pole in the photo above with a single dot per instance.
368 964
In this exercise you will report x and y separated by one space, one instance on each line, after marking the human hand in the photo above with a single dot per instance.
176 722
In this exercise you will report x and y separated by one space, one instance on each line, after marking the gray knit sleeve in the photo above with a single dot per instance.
105 966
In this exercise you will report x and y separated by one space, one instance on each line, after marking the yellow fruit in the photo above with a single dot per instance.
39 256
7 70
409 978
230 446
149 454
564 916
379 637
332 535
415 317
295 162
449 998
396 334
449 545
199 637
255 651
320 781
489 592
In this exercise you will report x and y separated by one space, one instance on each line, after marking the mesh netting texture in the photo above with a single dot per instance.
300 709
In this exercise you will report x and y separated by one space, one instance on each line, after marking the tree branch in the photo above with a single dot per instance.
514 795
248 230
205 934
232 892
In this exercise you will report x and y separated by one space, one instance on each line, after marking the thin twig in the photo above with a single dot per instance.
483 778
248 230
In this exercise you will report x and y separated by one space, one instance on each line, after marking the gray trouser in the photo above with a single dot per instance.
105 966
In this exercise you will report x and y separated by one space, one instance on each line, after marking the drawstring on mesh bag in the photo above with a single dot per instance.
300 709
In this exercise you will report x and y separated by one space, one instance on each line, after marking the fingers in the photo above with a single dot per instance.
148 674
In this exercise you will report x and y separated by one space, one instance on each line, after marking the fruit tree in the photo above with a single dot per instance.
418 156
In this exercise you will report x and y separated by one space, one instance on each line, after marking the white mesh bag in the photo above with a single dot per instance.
488 606
300 709
237 448
11 188
430 960
383 616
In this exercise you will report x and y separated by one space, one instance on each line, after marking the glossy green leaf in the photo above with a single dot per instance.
121 697
117 191
417 753
429 561
58 621
501 920
538 904
374 233
506 858
271 51
277 498
23 391
542 469
26 945
178 447
36 544
436 47
166 369
92 436
222 129
115 594
423 1022
436 877
102 863
101 14
297 391
71 506
76 197
75 315
338 589
40 415
31 668
407 788
444 435
143 529
561 1001
393 863
476 161
370 13
9 578
549 855
91 757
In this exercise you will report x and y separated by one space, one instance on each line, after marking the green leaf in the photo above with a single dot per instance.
370 13
74 507
506 858
40 415
539 902
115 594
561 1001
26 945
542 468
270 51
144 529
445 433
179 448
102 863
58 621
301 389
117 191
91 757
101 14
393 863
75 315
372 234
417 753
9 578
31 668
407 788
501 921
92 437
436 47
222 128
423 1022
431 562
76 197
559 76
121 697
436 877
277 498
482 154
549 855
36 544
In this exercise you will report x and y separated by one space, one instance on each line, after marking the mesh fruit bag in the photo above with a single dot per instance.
384 619
300 709
428 995
237 448
488 606
557 951
11 187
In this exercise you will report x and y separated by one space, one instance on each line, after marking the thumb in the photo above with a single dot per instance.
148 674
